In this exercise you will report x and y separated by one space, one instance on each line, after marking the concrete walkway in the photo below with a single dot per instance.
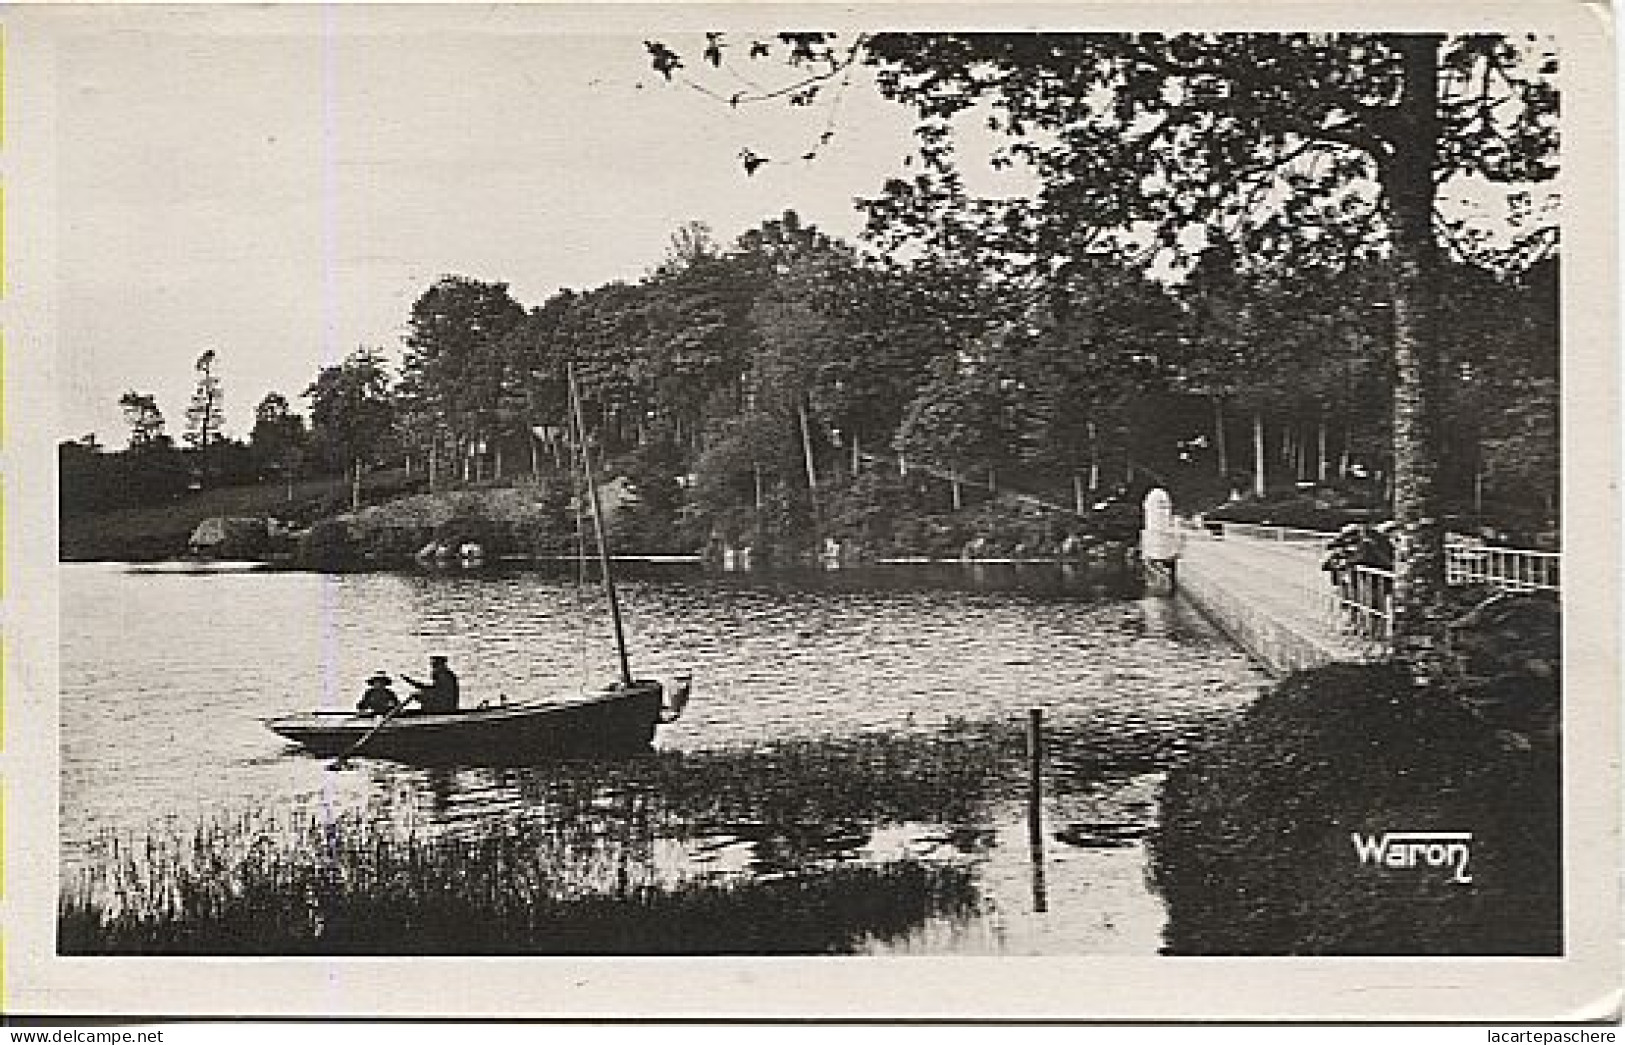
1272 599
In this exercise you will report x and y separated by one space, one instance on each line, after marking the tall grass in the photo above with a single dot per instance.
263 884
595 856
574 871
869 777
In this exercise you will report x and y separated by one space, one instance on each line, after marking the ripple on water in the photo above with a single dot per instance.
165 678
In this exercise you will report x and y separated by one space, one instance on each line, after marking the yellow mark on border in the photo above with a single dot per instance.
2 146
4 849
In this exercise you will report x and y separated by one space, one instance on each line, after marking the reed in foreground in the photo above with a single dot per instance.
354 885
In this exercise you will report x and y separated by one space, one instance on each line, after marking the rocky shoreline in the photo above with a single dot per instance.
517 524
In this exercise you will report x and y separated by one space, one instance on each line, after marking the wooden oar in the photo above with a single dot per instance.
338 763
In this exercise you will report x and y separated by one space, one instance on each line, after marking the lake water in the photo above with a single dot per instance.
166 675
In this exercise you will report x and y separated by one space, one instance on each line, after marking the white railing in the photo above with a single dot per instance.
1365 602
1511 569
1466 562
1306 591
1273 534
1359 601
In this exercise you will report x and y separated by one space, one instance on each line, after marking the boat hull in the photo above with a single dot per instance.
620 721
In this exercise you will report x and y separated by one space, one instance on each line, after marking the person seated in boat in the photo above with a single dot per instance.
439 695
380 698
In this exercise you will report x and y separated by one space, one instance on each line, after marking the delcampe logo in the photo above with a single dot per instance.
1413 849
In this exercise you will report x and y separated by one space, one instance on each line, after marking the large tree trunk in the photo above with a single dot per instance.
1407 177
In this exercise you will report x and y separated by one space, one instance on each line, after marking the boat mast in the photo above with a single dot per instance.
598 527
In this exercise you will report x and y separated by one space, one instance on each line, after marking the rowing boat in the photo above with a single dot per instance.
620 718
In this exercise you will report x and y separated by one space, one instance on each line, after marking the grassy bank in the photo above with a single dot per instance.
161 531
1254 853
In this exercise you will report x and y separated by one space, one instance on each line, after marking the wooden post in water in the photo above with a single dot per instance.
1035 805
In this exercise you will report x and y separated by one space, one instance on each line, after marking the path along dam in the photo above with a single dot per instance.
1264 587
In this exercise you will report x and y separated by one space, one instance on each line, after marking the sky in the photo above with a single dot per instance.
280 184
283 197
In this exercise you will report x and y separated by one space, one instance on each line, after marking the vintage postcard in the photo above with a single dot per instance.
962 512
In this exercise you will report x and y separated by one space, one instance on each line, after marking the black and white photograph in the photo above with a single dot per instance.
538 488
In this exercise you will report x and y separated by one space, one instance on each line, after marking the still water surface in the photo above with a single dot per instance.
166 675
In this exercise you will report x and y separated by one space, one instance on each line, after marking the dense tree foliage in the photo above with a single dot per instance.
279 438
1310 150
145 419
786 383
1206 288
352 414
782 363
457 389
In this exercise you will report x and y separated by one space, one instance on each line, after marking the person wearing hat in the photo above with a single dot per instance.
1378 551
379 699
439 695
1342 551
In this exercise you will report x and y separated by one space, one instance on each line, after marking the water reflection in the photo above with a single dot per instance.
857 718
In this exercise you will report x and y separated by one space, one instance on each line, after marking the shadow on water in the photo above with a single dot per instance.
1043 579
856 844
849 779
